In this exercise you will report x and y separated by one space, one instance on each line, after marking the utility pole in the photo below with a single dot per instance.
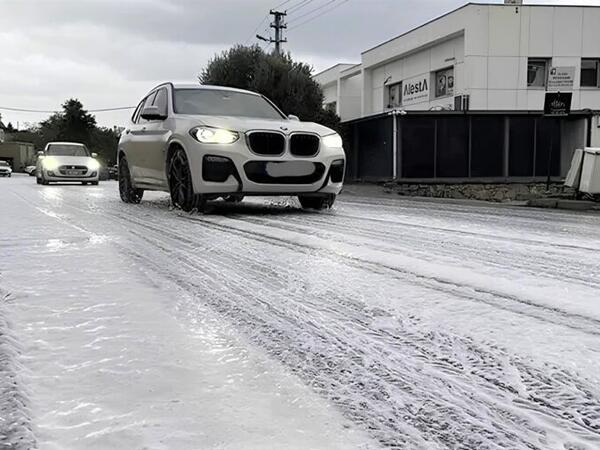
279 25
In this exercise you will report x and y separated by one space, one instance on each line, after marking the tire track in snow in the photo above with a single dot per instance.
431 248
16 431
574 403
582 323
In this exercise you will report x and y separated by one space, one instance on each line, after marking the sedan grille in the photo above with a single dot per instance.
265 143
73 170
304 144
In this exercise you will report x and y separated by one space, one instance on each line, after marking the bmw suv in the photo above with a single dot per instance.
200 143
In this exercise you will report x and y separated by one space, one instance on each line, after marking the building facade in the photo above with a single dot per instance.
463 95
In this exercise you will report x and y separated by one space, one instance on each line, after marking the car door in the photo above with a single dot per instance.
156 136
135 146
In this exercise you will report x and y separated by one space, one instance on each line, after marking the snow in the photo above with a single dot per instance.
386 322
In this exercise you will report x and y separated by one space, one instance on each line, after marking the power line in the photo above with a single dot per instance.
319 15
43 111
256 29
281 4
295 19
298 6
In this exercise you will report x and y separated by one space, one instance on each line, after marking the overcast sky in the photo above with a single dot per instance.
109 53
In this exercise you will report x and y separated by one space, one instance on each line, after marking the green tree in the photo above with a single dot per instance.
286 82
73 123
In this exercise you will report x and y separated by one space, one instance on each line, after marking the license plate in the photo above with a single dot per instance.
72 172
290 169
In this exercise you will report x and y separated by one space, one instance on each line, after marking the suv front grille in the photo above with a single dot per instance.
266 143
304 145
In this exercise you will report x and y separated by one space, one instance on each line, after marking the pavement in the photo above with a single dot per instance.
386 322
378 191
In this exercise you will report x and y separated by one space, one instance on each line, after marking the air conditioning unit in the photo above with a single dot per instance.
461 103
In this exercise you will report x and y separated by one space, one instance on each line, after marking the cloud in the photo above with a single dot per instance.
110 52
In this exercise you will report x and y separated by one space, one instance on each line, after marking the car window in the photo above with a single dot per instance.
216 102
147 102
161 101
67 150
137 112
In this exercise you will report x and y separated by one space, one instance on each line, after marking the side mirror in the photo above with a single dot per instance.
94 155
152 113
293 117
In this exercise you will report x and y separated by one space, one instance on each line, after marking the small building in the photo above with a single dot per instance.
462 96
18 154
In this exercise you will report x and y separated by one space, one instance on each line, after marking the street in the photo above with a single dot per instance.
385 322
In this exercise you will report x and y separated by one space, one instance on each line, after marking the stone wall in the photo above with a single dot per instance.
494 192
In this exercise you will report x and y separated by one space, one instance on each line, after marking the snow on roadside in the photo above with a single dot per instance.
15 417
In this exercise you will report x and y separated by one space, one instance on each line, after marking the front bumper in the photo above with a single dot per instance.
90 176
5 173
246 177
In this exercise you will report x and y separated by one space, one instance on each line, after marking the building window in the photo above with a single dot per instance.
444 82
589 73
394 92
537 72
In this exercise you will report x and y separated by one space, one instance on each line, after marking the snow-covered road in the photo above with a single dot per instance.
382 323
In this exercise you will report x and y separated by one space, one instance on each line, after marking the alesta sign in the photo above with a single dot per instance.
415 90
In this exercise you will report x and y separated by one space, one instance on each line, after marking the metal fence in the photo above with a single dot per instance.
456 146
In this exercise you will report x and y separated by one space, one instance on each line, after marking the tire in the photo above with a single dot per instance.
317 203
180 183
94 183
233 198
128 193
84 183
9 175
38 181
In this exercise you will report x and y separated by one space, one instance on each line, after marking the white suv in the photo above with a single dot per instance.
67 161
204 142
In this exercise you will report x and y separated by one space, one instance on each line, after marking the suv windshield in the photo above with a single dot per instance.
67 150
214 102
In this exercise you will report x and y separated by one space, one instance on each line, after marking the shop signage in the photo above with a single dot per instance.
561 78
557 104
415 90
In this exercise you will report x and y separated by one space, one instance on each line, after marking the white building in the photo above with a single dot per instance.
484 59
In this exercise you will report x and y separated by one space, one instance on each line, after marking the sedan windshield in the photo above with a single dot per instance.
67 150
213 102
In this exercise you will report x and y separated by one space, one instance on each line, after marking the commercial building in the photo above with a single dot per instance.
462 97
17 154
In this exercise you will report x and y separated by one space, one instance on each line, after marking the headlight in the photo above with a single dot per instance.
50 163
333 141
93 165
208 135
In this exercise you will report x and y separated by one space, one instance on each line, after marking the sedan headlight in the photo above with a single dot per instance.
333 141
50 163
93 165
209 135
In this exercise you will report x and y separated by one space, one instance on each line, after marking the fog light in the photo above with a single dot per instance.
336 172
94 174
217 168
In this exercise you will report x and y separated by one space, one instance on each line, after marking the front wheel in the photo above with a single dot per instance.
317 203
128 193
180 183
